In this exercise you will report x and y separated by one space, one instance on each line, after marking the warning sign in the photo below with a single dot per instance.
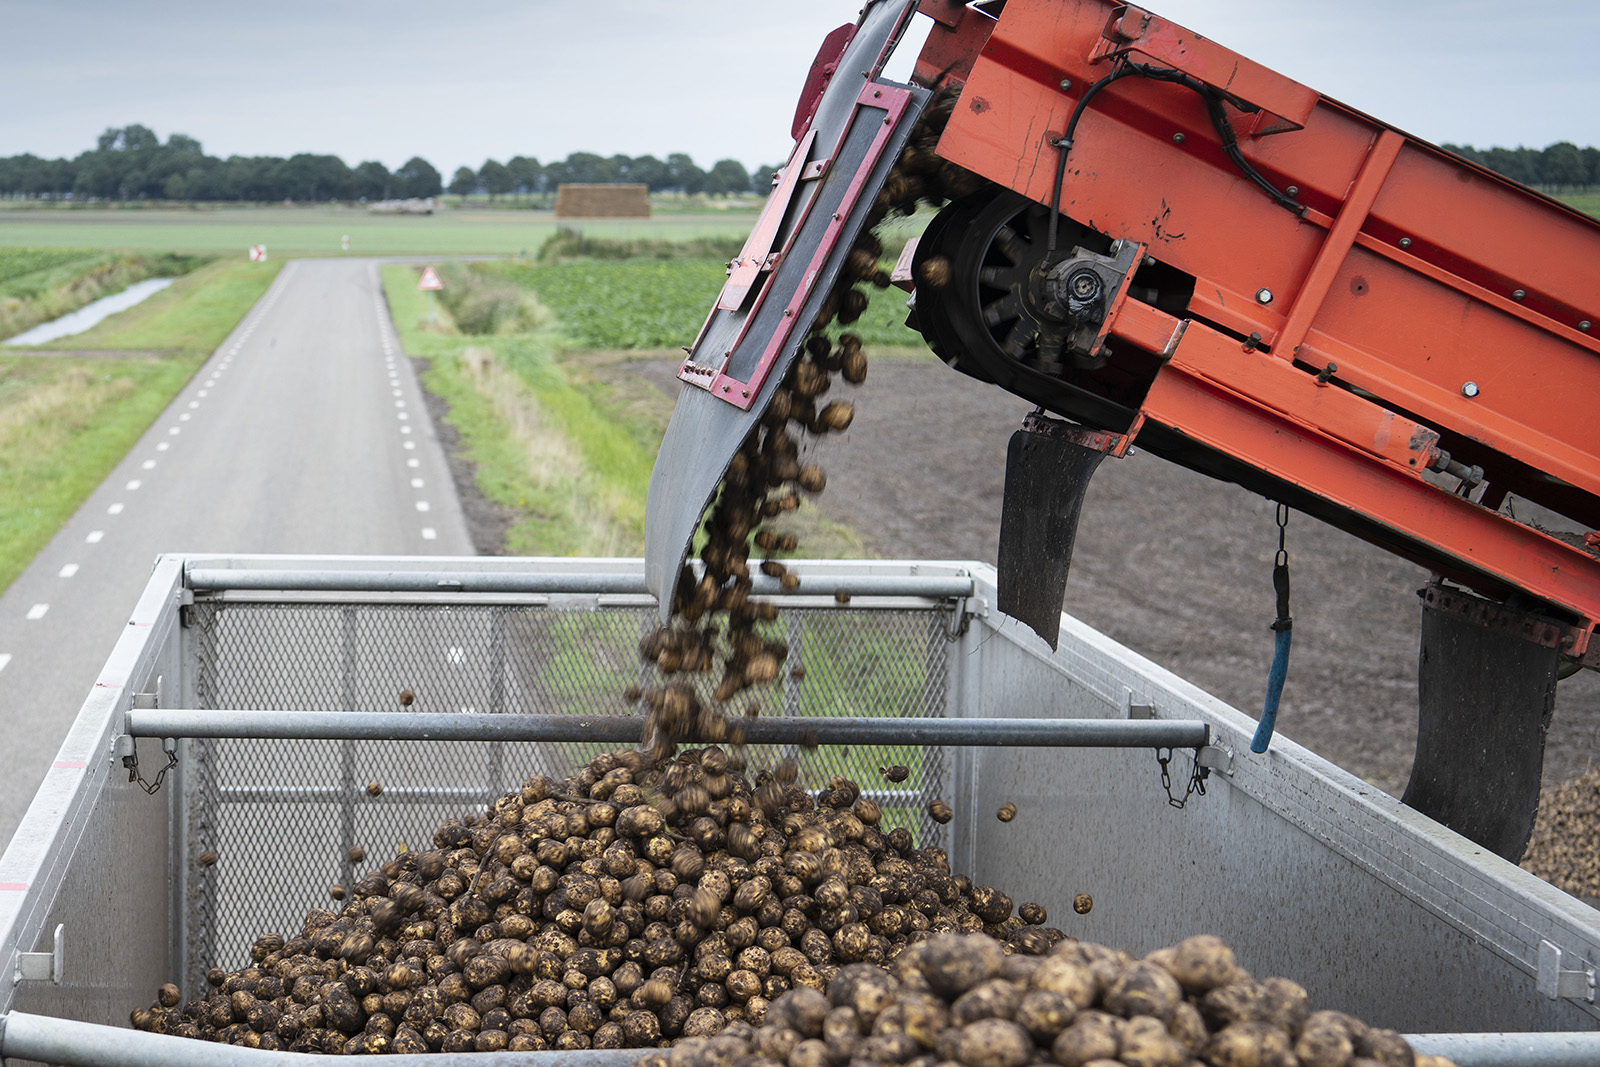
429 279
258 253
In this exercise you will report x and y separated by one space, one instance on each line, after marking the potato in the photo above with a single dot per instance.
953 964
1250 1044
1145 1042
1324 1041
1188 1028
1069 977
1385 1046
993 1043
994 999
1093 1035
1201 964
1144 989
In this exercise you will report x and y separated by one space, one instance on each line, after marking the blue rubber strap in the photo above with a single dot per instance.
1275 679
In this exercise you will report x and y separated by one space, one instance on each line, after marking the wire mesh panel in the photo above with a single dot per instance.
281 817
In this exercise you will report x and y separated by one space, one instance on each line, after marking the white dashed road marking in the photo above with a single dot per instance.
5 657
68 571
149 464
95 536
422 505
134 484
429 533
37 611
416 483
114 509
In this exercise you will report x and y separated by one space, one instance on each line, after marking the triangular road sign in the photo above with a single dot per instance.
429 279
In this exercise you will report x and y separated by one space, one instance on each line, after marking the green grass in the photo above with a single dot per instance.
18 263
1589 203
193 315
316 231
64 424
542 447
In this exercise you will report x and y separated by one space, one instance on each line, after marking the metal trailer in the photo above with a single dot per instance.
218 698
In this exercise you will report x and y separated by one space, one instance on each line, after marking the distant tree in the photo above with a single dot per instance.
727 176
1511 162
417 178
527 176
650 171
589 168
495 178
463 181
761 177
1591 164
1561 165
371 181
683 175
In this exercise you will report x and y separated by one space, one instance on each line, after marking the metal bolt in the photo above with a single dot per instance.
1263 296
1518 294
1066 83
1405 242
1177 138
1584 325
877 93
1469 389
727 388
788 312
1293 190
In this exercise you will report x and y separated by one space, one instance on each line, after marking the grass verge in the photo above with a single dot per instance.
192 315
66 422
63 281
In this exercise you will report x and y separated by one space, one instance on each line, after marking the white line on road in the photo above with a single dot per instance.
184 417
114 509
411 444
403 415
36 612
413 461
68 571
149 464
134 484
422 505
5 657
405 429
95 536
429 533
416 483
175 431
194 403
163 446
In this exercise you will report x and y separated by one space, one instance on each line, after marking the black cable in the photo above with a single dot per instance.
1121 70
1214 111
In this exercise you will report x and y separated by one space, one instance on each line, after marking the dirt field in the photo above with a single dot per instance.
1168 562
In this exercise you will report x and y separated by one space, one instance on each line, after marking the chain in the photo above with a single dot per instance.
1197 779
132 763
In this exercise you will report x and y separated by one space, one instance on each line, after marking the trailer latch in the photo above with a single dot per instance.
1559 982
38 966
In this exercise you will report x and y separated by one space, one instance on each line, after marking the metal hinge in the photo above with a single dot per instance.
1559 982
1215 758
38 966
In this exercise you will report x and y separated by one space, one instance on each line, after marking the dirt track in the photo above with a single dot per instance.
1168 562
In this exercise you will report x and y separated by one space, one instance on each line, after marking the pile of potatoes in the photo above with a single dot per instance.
1564 849
639 901
965 1001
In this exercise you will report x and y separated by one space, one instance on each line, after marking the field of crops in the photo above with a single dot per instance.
649 303
17 263
317 231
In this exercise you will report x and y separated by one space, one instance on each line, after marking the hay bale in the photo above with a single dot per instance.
607 201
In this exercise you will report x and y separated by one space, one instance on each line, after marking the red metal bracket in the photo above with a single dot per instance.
753 258
818 77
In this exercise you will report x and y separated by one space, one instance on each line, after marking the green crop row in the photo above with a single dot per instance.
18 263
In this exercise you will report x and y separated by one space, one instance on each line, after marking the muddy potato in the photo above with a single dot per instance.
993 1043
1250 1044
1044 1013
1144 989
1093 1035
1385 1046
994 999
952 964
1324 1041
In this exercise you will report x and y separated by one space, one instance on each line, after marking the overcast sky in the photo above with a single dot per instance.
715 78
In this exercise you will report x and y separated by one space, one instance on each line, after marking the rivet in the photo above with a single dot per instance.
1584 325
1263 296
1469 389
1518 294
1066 83
788 312
1293 190
1405 242
745 393
877 93
727 388
1177 138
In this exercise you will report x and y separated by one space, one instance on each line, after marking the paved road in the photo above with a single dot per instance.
305 432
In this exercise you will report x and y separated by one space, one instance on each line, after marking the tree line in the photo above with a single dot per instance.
132 163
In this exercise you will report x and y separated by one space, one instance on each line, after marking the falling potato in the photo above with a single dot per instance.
374 789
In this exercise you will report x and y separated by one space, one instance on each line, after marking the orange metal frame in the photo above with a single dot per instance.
1458 309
